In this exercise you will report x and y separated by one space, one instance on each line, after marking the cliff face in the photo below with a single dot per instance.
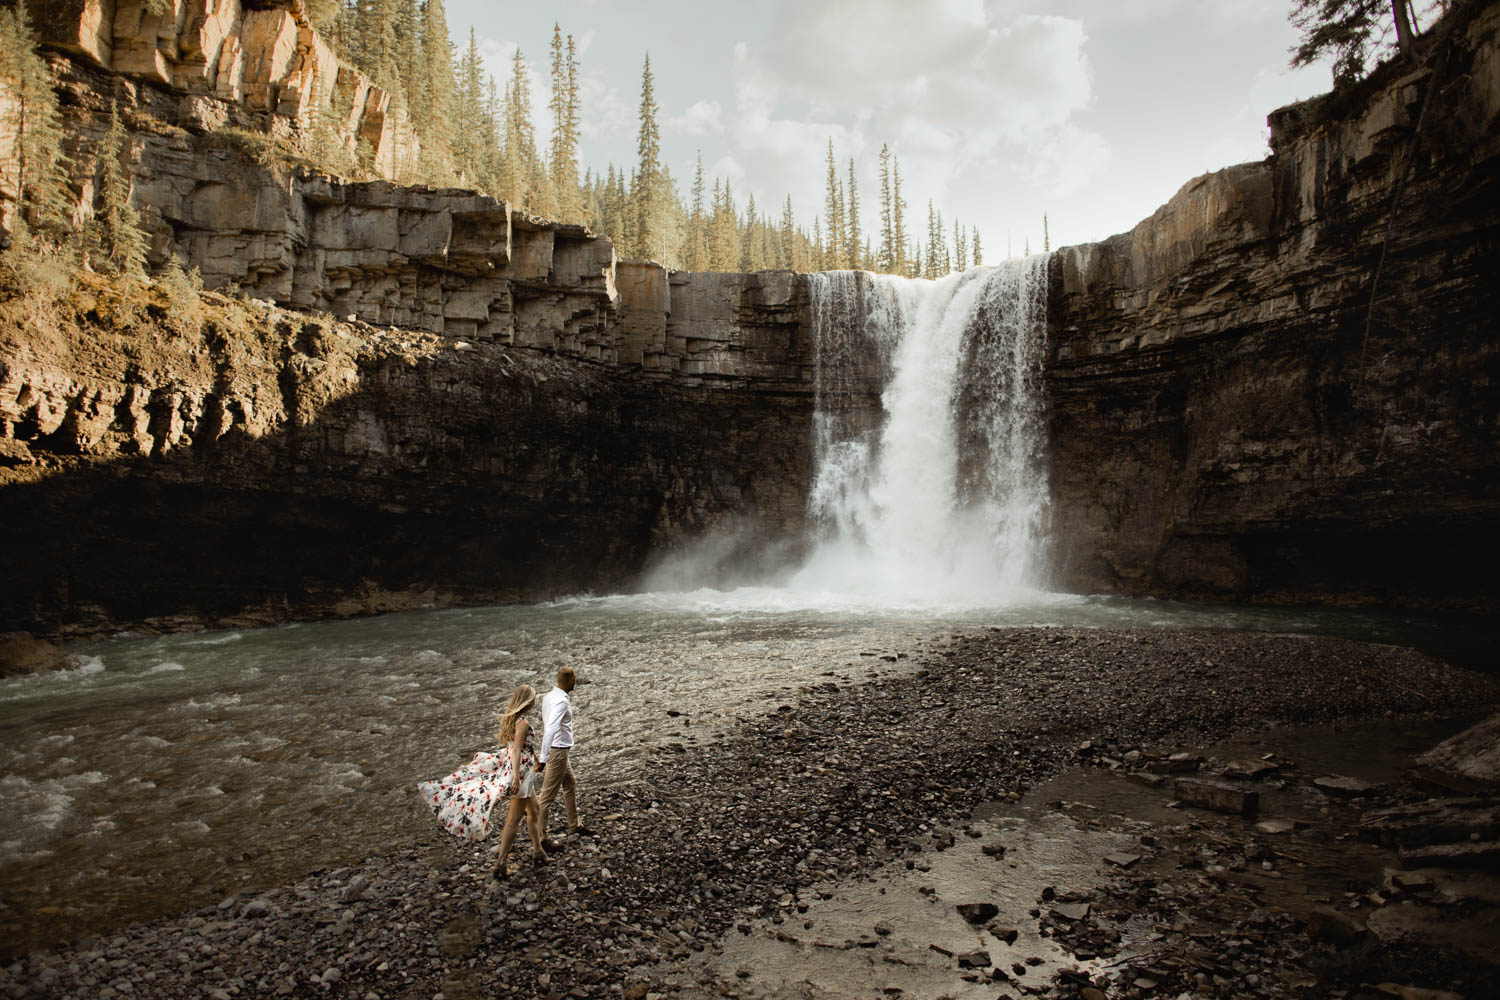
1231 418
429 398
270 465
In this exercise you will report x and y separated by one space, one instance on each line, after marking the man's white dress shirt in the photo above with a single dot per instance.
557 722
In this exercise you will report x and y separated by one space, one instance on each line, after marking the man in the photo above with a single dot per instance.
557 742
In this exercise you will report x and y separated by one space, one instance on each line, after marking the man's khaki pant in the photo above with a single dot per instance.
558 774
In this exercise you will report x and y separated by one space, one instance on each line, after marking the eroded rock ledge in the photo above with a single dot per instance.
501 409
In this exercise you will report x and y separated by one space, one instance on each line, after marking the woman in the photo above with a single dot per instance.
464 800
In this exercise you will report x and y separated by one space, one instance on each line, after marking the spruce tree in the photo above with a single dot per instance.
697 241
886 256
934 237
120 223
834 239
898 223
469 135
647 193
517 164
43 202
789 256
563 154
438 98
855 246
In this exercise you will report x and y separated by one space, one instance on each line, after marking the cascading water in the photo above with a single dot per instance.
941 494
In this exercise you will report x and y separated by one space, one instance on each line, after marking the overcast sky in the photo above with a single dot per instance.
1093 111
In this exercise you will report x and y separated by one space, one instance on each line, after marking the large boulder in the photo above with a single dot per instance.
23 653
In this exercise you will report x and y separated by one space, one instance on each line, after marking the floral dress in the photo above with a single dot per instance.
463 800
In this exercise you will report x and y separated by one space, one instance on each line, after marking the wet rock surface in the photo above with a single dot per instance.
746 842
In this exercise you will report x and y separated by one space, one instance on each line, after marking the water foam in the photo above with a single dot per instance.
940 499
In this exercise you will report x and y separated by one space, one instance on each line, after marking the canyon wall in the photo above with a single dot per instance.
414 396
1240 411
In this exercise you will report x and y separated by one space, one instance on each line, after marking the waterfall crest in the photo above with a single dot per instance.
940 493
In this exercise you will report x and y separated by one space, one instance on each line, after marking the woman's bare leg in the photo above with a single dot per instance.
508 836
534 827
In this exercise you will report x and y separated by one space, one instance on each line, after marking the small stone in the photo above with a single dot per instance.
1071 911
1343 786
977 913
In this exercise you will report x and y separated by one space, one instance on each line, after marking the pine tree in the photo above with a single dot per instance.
40 169
885 259
696 251
898 223
647 193
1354 32
750 259
438 99
790 257
124 242
833 257
563 158
934 243
853 242
470 113
978 250
517 165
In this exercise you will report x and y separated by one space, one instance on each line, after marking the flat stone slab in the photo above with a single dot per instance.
1071 911
1216 795
1343 786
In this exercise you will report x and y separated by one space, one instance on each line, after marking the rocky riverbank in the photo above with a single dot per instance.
727 869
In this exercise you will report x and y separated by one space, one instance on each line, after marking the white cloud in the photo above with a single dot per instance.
956 90
705 117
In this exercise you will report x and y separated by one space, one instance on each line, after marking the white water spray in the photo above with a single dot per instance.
941 496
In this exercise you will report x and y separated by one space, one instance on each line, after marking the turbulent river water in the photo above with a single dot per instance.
168 772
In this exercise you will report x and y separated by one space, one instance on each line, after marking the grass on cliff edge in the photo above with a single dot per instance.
48 293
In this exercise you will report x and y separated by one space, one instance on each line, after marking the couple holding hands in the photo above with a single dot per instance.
529 779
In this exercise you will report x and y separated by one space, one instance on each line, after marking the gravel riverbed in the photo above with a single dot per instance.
833 785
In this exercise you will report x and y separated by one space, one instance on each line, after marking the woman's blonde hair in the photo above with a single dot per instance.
521 701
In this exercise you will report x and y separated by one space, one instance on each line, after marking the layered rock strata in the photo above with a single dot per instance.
1240 410
230 57
500 409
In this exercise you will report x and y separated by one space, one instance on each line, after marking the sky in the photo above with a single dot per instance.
1093 112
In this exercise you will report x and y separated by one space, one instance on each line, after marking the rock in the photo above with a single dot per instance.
1216 795
1006 934
1335 928
1473 755
1343 786
1071 911
255 908
21 653
1276 827
977 913
1415 992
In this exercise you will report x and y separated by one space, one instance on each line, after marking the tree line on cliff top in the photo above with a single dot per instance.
470 132
475 133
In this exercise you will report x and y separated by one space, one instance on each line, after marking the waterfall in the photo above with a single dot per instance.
940 494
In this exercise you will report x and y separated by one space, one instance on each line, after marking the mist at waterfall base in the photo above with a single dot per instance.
929 490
